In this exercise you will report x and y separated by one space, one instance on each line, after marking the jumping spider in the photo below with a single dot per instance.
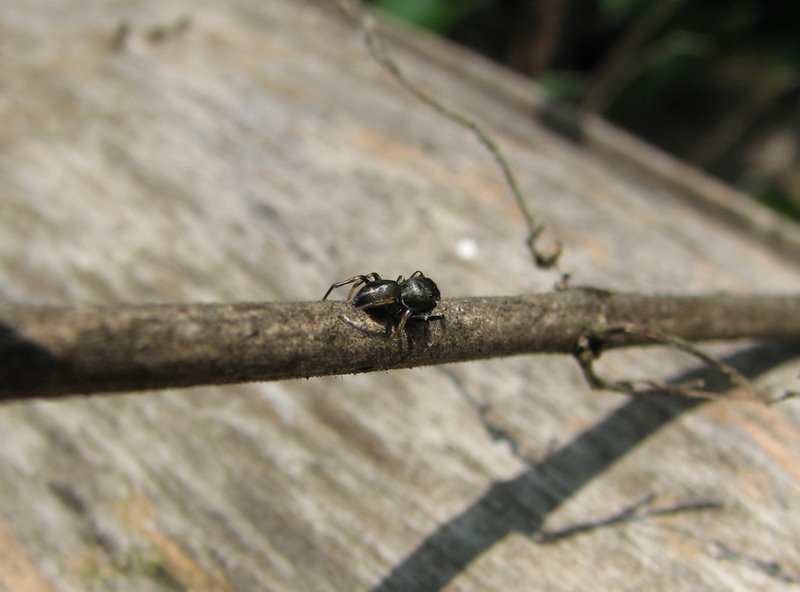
396 301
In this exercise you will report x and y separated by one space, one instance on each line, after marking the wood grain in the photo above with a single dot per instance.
249 151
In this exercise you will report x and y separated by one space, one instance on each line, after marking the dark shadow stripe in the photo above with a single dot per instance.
521 504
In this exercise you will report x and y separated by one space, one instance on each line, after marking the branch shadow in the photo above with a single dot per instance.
521 504
26 367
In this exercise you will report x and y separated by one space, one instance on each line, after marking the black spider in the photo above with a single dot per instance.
394 300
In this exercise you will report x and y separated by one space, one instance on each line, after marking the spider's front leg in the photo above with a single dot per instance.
356 280
420 316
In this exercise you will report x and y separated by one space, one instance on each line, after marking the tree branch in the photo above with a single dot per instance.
51 352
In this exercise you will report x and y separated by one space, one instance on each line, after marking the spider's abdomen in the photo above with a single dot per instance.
378 294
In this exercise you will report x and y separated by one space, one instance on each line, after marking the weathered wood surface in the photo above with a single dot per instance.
250 151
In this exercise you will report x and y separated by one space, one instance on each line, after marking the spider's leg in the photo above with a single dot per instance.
428 316
356 280
431 316
398 330
363 279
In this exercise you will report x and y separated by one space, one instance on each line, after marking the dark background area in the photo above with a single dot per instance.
716 84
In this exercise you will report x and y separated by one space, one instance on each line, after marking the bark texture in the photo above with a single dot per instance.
62 351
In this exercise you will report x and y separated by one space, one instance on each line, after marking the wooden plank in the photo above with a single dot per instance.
250 151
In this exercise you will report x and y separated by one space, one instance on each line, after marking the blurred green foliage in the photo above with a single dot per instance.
709 82
439 16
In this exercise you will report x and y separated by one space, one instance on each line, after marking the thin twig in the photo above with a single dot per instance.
545 257
51 352
591 345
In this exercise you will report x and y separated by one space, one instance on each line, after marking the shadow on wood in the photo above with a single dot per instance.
522 504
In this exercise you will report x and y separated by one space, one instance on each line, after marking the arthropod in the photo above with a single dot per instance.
397 301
